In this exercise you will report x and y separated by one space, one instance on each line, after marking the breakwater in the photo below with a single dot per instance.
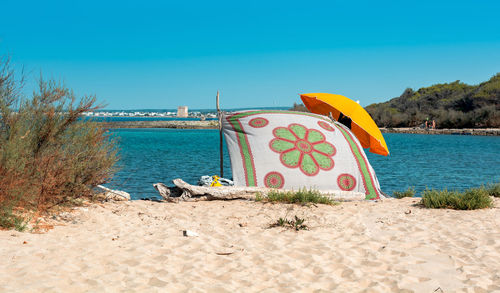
465 131
207 124
213 124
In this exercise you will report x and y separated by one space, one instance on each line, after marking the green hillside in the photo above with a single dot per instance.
452 105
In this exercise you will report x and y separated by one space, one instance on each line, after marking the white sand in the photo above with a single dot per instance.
139 247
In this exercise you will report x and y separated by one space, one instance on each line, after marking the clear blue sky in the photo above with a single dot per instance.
145 54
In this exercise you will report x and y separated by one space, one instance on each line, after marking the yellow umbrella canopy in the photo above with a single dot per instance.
362 124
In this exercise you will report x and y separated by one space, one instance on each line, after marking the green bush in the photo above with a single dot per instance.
302 196
451 105
493 189
9 219
49 155
410 192
471 199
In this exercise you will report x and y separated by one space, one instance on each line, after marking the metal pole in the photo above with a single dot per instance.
219 116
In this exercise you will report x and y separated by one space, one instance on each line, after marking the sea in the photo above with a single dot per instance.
453 162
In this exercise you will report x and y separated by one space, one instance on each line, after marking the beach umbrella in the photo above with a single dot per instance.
342 108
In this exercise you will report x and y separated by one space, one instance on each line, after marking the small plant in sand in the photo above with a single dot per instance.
410 192
303 196
297 224
9 219
470 199
493 189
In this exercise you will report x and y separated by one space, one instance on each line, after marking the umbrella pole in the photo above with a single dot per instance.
219 117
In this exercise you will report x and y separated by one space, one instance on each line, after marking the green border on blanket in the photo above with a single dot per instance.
371 190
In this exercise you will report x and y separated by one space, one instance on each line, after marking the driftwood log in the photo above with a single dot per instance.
186 192
110 194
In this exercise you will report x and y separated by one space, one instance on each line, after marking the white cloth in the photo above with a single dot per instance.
293 150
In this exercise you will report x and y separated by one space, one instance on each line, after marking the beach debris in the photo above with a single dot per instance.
171 194
64 216
224 253
183 191
117 195
188 233
209 181
154 199
222 192
163 190
408 212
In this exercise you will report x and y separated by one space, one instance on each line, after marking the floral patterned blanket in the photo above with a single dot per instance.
292 150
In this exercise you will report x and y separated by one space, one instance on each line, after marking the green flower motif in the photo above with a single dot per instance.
303 148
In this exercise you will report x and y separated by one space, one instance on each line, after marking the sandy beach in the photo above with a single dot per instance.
138 246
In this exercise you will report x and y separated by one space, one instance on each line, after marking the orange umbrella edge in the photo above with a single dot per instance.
384 151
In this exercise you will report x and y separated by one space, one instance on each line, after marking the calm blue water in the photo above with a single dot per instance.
423 161
160 155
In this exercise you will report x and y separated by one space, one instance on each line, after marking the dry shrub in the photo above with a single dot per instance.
49 154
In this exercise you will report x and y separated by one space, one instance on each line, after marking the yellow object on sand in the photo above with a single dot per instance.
362 124
215 181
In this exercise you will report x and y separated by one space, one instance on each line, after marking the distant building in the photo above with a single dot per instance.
182 111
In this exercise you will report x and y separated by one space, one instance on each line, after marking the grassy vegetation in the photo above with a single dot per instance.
493 189
451 105
10 220
296 224
303 196
471 199
410 192
49 156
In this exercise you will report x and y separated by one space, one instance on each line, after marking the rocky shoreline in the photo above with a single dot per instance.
213 124
465 131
